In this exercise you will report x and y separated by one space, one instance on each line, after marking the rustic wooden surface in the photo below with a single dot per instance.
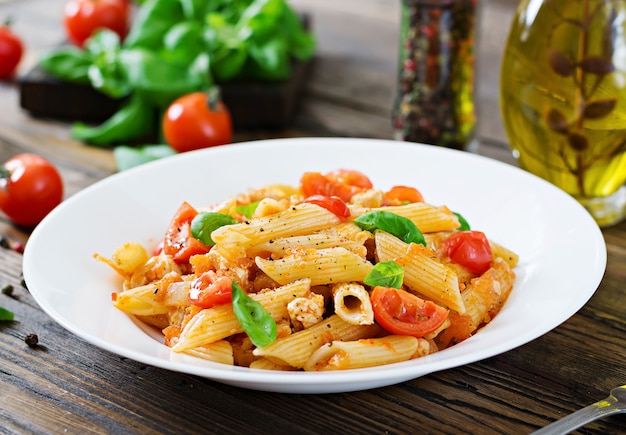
68 386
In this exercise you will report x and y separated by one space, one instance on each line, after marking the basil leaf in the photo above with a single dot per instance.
69 63
253 318
400 226
248 209
6 315
386 274
127 157
465 226
206 222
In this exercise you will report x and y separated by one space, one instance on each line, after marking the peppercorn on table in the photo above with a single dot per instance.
52 381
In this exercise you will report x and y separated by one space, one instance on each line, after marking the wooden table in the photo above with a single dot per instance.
68 386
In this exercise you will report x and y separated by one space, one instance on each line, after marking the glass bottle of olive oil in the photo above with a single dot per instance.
563 98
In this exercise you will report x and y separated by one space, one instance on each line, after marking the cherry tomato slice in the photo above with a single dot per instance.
469 249
398 195
400 312
333 204
342 183
209 290
179 243
30 187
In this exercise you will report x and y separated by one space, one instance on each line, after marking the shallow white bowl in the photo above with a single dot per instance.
550 231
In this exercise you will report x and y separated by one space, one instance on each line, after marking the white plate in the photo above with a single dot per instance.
550 231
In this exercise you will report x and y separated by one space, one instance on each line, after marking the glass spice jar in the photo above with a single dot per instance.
435 99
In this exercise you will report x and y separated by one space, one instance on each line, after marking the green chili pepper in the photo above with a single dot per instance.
253 318
135 120
6 315
465 226
206 222
400 226
386 274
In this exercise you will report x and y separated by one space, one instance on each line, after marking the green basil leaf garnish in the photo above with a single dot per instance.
206 222
248 209
400 226
465 226
253 318
386 274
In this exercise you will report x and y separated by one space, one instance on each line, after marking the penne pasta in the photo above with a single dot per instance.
424 273
322 266
367 352
219 322
297 348
294 281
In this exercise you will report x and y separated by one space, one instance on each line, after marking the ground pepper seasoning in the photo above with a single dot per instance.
435 101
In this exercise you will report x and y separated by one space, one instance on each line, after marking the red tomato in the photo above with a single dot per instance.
209 290
83 17
179 243
195 121
402 194
469 249
11 50
30 187
331 203
403 313
342 183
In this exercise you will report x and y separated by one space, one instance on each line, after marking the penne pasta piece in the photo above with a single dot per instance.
297 348
352 303
220 351
219 322
304 218
428 218
506 254
323 266
367 352
283 246
140 301
424 273
265 364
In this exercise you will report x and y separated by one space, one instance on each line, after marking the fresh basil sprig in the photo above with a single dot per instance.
400 226
386 274
248 209
253 318
206 222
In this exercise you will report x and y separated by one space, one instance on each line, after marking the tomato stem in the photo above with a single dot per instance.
4 173
214 95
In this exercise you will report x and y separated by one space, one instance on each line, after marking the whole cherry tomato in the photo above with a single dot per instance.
83 17
11 50
197 120
30 187
470 249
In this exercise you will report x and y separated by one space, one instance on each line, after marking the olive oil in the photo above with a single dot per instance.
563 93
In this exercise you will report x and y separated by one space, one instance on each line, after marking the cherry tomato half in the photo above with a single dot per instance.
343 183
333 204
400 312
179 243
11 50
196 121
469 249
30 187
209 290
399 195
83 17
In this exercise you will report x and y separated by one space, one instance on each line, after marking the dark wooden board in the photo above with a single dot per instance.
253 105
